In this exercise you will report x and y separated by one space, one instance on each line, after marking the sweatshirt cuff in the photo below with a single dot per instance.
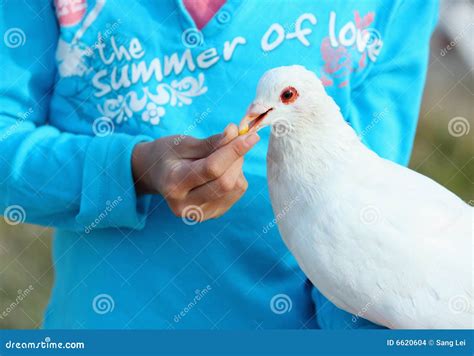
108 197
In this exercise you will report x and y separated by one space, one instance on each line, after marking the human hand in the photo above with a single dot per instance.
189 172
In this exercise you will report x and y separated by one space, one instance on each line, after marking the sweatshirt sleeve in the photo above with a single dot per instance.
386 104
384 111
50 177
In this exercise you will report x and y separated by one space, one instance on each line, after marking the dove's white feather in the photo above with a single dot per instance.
377 239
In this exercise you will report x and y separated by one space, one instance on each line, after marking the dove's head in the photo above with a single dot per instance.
283 94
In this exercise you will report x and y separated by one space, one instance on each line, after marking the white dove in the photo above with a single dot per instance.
377 239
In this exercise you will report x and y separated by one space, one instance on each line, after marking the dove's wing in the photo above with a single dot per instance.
416 204
427 236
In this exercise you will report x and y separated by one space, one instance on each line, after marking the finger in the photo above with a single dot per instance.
218 208
189 147
193 148
210 209
219 187
230 132
214 166
188 212
195 213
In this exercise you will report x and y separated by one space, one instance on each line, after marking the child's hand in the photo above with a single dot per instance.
187 171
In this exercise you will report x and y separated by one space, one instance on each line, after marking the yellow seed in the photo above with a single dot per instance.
243 131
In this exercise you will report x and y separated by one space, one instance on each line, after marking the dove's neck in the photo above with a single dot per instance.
319 144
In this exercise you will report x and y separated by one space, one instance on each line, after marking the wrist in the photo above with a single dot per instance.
141 169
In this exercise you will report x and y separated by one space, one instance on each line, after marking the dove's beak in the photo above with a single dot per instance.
253 119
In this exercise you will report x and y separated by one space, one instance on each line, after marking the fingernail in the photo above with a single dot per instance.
226 129
227 134
252 139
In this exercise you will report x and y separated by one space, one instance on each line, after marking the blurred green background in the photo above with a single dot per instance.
25 254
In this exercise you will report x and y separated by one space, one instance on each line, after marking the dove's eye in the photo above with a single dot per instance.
288 95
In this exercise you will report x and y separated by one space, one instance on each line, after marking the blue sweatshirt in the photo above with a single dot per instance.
82 82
